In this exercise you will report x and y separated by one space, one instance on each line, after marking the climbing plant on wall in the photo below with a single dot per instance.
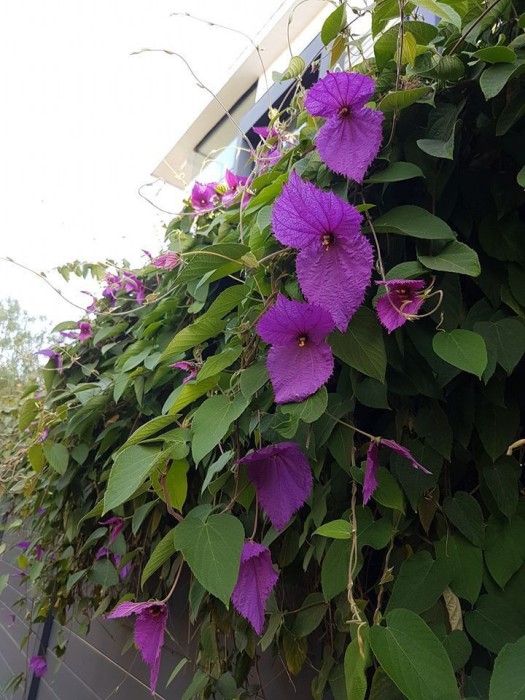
310 402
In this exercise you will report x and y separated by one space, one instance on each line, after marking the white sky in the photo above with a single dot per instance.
83 123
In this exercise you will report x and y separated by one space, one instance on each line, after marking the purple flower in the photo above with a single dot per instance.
43 436
125 569
300 360
335 262
282 479
168 261
112 288
115 527
40 511
265 132
38 552
401 302
101 553
38 665
149 632
52 355
203 198
350 139
85 330
93 306
133 285
257 578
186 366
25 544
233 186
372 464
71 335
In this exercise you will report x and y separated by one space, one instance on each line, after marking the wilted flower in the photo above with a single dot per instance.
372 464
122 573
38 665
93 306
335 260
43 436
256 580
282 479
300 360
168 261
265 132
350 139
116 525
133 285
149 632
204 198
401 303
186 366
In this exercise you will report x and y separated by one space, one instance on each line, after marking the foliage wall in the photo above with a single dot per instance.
416 594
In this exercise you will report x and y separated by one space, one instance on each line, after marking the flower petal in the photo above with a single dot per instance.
288 319
297 372
336 279
337 90
349 144
282 478
372 465
256 580
126 609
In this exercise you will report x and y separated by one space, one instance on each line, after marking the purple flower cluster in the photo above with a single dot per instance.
126 282
206 197
83 332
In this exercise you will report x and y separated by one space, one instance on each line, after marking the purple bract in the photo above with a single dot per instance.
38 665
372 464
350 139
300 360
167 261
282 479
335 260
149 632
256 580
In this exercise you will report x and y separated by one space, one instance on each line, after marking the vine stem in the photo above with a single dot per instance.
174 584
471 27
377 611
353 427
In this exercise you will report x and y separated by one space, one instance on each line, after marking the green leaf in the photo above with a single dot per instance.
508 679
27 413
497 427
454 257
512 113
420 582
507 337
213 551
401 99
253 378
357 660
4 580
310 409
504 548
310 616
502 480
36 457
333 25
58 456
409 220
494 623
520 177
209 324
413 657
495 54
295 68
104 574
190 392
336 529
162 552
465 562
295 651
225 258
129 471
463 349
396 172
362 346
458 648
334 570
152 427
409 52
72 579
386 46
494 79
443 10
465 513
212 421
217 363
